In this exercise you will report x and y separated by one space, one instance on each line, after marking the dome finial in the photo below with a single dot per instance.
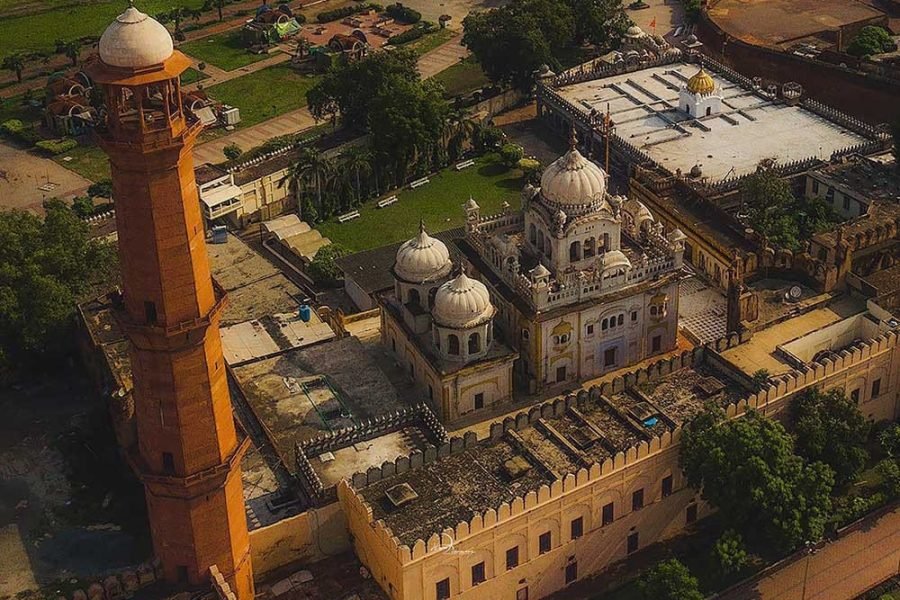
573 139
421 225
130 3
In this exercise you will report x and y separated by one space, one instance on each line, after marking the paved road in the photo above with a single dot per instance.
840 570
444 56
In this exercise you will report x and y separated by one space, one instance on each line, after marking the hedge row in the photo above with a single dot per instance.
54 147
403 14
17 130
410 34
346 11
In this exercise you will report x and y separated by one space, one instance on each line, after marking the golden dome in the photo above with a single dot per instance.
701 83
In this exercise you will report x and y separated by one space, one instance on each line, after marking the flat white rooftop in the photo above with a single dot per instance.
644 108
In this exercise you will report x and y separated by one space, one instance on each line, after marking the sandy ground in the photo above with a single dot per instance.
22 174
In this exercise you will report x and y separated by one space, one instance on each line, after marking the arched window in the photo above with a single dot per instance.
652 310
708 110
604 325
431 294
474 343
621 319
532 234
590 247
413 297
575 251
540 240
453 344
606 241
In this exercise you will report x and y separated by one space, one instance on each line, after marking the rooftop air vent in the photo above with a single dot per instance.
401 494
516 467
584 438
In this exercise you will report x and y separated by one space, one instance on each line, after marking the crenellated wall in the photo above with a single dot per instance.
412 570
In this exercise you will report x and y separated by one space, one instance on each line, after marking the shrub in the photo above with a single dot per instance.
83 206
54 147
669 580
323 268
730 552
403 14
12 127
870 40
489 138
410 34
531 168
511 154
232 151
889 470
345 11
102 188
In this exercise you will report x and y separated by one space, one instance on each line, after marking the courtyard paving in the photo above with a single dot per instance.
26 180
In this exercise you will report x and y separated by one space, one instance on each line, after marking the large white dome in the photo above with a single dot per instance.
422 259
573 180
135 41
461 303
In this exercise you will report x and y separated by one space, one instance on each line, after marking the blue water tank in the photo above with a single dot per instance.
219 234
305 313
650 422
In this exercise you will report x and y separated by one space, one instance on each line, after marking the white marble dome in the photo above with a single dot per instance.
635 32
573 180
462 302
614 259
135 41
422 259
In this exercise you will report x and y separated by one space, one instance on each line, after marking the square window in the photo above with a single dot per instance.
608 514
656 343
577 528
544 543
512 558
876 388
632 542
571 572
633 316
560 374
815 187
479 401
667 486
478 573
854 396
590 330
846 202
637 499
691 515
442 589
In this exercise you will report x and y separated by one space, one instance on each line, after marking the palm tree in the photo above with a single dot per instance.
16 63
316 170
356 161
219 5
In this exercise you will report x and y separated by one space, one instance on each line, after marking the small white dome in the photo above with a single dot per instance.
676 235
638 211
573 180
539 271
614 259
135 41
422 259
635 32
461 303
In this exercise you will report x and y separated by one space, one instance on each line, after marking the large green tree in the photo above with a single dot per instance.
870 40
829 428
45 266
600 22
747 468
669 580
776 213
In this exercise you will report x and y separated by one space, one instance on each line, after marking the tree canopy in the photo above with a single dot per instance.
513 41
669 580
747 468
776 213
45 265
830 428
323 268
870 40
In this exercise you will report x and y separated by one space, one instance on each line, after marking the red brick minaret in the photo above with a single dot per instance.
188 452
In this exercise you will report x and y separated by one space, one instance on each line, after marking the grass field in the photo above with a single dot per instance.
430 41
68 21
222 50
264 94
462 78
14 108
88 161
439 203
192 76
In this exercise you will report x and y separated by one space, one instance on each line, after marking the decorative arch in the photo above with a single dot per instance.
453 344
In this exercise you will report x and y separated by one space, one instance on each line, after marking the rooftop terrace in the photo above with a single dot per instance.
643 106
561 439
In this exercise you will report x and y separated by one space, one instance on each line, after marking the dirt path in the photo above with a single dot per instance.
442 57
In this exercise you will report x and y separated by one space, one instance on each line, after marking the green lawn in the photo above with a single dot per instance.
88 161
430 41
439 203
68 21
14 108
192 76
265 94
462 78
223 50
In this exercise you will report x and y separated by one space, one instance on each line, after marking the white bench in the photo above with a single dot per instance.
464 164
387 201
353 214
419 183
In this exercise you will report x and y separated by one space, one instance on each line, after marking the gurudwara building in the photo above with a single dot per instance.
580 282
